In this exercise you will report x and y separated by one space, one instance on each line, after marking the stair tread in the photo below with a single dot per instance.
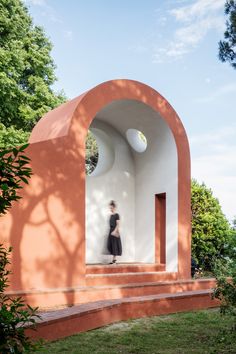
124 265
98 305
114 286
124 274
124 268
144 284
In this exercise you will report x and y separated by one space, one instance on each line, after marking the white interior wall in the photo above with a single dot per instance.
156 172
116 183
132 180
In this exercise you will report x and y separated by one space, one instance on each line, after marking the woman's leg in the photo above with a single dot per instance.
113 260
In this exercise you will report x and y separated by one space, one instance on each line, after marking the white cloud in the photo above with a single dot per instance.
47 11
214 162
195 21
199 9
36 2
215 136
218 93
162 20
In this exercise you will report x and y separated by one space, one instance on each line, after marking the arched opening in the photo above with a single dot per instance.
57 151
138 159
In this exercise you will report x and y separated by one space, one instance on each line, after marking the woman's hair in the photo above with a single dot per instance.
112 203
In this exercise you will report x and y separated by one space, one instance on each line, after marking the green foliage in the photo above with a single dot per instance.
13 171
142 137
91 157
10 137
234 223
211 231
14 314
227 48
26 68
226 293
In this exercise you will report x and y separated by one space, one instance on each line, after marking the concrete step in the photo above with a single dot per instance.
124 268
61 323
48 298
128 278
100 293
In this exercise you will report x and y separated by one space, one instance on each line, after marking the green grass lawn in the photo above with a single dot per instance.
193 332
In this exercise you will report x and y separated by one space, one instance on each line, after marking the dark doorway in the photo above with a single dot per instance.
160 228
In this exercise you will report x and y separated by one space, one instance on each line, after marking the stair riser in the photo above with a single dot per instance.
107 269
52 330
100 295
52 299
129 278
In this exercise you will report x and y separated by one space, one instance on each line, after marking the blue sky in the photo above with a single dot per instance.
169 45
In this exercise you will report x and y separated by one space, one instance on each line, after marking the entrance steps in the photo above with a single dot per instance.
124 268
97 275
107 282
61 323
113 293
62 297
128 278
119 291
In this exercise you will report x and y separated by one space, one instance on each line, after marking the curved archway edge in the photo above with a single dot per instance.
77 115
60 136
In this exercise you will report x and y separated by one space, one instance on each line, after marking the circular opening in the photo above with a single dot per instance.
91 156
137 140
99 152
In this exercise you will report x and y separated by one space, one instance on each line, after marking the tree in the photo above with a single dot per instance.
14 314
26 68
13 171
227 48
225 291
211 231
10 137
91 158
234 223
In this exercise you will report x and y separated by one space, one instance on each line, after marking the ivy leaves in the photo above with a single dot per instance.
14 170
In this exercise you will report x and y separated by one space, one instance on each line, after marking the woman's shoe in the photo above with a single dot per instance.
113 262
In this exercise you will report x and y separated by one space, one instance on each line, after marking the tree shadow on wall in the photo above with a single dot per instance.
47 225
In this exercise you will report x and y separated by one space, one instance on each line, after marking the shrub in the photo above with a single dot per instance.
225 291
14 314
211 231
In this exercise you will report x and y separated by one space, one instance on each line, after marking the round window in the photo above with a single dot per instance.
91 156
137 140
99 152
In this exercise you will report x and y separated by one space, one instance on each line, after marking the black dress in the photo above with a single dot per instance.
114 243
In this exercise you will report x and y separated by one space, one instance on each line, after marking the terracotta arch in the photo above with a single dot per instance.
70 123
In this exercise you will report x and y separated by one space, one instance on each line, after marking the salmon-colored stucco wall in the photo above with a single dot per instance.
47 226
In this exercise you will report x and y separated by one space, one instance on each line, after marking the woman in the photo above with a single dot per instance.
114 242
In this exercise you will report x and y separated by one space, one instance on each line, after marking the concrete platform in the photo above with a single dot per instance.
61 323
114 293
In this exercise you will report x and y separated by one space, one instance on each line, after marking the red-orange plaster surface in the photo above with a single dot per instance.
47 226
